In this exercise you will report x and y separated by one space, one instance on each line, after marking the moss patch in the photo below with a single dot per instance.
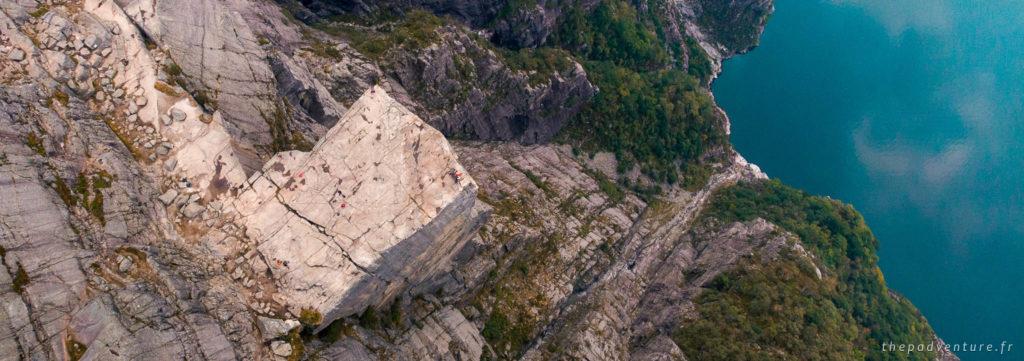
65 194
298 345
415 30
20 280
166 89
125 139
75 349
310 317
35 143
40 11
336 330
369 319
61 97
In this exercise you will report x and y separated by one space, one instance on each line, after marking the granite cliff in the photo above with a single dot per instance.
397 180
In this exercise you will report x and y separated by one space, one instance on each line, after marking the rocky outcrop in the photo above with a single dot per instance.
379 204
457 81
469 91
217 54
300 87
126 197
725 28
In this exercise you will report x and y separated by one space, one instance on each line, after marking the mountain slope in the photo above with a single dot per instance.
250 179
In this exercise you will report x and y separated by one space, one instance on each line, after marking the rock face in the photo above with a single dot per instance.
379 204
467 91
218 54
725 28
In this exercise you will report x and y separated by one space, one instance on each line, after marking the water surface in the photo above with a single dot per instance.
911 111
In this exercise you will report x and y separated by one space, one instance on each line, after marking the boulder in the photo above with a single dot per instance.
193 210
170 164
177 115
168 196
91 42
281 348
16 55
272 328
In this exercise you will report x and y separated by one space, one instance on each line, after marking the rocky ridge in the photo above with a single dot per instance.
206 187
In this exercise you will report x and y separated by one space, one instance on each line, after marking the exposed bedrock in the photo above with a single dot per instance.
379 204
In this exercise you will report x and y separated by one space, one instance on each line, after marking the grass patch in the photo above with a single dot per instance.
324 49
35 143
95 208
40 11
298 346
173 69
310 317
610 189
100 181
75 349
336 330
82 185
280 135
417 29
61 97
204 99
369 319
394 316
299 142
85 187
123 137
540 63
537 181
166 89
65 194
500 331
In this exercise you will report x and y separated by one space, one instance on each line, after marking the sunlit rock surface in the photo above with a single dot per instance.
375 206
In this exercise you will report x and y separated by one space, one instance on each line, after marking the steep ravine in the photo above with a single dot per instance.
320 180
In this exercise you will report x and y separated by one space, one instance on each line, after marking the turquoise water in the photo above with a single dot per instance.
911 111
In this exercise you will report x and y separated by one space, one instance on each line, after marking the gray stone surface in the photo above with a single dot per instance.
177 115
281 348
16 55
272 328
168 196
327 214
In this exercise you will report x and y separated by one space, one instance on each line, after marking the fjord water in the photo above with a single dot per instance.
912 111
